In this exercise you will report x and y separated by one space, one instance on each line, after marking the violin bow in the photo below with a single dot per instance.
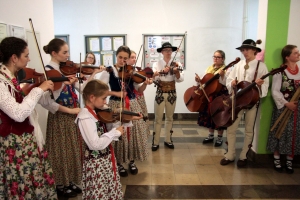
80 80
38 48
135 63
233 100
202 88
178 48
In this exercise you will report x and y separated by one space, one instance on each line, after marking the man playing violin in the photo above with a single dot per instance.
167 73
248 70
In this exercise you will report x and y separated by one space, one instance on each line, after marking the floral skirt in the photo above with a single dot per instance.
142 102
289 142
65 146
204 118
25 173
133 144
98 180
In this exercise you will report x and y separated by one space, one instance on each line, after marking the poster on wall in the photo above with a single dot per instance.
17 31
3 31
154 41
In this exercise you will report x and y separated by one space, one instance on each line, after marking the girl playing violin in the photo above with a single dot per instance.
21 139
133 145
140 88
64 141
99 165
90 58
204 118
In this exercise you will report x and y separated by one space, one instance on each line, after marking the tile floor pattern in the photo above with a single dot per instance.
192 171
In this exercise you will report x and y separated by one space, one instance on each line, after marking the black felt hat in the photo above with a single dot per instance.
250 44
166 45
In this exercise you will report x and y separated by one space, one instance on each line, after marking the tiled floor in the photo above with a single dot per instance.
192 171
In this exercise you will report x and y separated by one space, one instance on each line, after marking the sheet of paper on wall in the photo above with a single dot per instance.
97 57
154 42
106 44
118 41
3 31
17 31
108 59
177 40
165 39
94 44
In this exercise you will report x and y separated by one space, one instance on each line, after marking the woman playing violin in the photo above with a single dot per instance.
248 70
133 145
204 118
19 129
63 141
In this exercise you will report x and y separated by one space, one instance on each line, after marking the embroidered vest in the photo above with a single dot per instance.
288 87
67 95
94 154
8 125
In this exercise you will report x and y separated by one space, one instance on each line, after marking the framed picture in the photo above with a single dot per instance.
3 31
17 31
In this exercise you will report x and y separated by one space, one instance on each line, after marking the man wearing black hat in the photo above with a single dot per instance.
248 70
167 74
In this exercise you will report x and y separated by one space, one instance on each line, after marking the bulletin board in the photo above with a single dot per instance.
104 47
154 41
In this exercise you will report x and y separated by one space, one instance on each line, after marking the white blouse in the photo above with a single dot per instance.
87 125
160 65
276 86
20 111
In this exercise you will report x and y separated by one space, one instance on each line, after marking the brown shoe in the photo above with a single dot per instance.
241 163
225 161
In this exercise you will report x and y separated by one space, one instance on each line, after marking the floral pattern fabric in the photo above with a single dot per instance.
25 172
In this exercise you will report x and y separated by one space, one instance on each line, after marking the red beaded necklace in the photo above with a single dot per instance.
295 71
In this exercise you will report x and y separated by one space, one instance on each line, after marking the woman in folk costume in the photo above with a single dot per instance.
284 87
133 145
24 166
204 118
63 141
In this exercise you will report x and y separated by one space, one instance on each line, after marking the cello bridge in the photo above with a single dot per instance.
225 103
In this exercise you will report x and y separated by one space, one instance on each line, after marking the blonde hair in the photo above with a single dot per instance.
94 87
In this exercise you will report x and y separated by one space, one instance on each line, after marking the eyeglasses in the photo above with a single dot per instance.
90 57
168 51
217 57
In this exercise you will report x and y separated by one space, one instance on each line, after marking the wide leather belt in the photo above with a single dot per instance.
167 86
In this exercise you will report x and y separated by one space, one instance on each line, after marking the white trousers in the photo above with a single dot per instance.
231 133
159 112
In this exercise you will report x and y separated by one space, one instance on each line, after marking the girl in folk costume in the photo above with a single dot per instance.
63 140
284 86
133 145
24 166
99 178
204 118
140 88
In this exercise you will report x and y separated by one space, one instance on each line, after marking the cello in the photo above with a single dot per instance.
247 96
196 97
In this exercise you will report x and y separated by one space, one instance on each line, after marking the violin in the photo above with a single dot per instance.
31 79
107 115
246 97
70 68
172 66
137 76
196 97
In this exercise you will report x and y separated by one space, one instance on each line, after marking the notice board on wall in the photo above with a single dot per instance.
154 41
104 47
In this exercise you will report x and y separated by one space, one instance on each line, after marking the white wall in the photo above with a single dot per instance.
18 12
210 25
294 28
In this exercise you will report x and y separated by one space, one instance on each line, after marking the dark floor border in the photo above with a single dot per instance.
211 192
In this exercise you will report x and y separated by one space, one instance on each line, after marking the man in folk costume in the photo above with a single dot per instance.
167 73
248 70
